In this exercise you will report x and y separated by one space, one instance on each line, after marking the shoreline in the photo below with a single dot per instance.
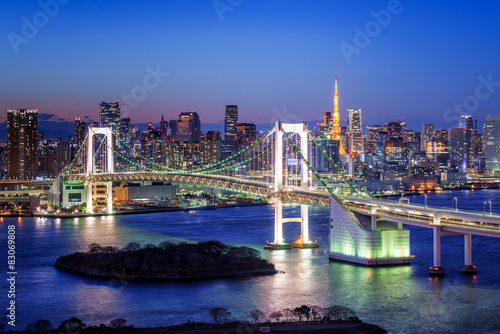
131 212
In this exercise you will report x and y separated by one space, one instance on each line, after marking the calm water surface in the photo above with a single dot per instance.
400 299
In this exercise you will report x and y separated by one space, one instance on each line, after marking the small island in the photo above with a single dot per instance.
167 262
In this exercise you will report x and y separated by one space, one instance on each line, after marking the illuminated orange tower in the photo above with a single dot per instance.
336 119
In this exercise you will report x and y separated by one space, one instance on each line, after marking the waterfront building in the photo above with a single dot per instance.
460 141
230 122
22 131
492 143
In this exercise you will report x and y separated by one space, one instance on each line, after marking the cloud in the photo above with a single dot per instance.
45 117
59 119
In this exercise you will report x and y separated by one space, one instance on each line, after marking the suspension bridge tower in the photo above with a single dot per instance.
282 129
106 167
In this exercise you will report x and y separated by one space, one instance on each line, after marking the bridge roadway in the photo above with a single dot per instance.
458 221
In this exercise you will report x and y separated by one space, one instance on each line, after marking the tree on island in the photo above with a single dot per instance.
276 315
302 312
257 315
71 325
95 248
288 314
118 323
219 314
132 246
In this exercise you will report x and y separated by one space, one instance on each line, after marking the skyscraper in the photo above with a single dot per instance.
188 127
109 115
325 128
80 131
246 132
354 121
492 145
427 136
211 150
466 122
230 122
460 140
22 129
336 120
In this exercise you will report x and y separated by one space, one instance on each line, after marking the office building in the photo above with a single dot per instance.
245 132
109 116
230 122
466 122
22 131
80 131
354 121
460 141
188 127
211 153
492 145
427 136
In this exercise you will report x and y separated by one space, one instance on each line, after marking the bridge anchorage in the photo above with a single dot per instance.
363 230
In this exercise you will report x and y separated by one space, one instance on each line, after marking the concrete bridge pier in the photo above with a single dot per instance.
436 269
468 268
90 206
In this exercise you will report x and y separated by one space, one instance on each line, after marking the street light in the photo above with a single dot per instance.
425 199
456 203
490 207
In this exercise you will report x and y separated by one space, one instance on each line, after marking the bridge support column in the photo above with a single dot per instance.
374 222
436 269
90 206
278 229
109 196
468 268
304 228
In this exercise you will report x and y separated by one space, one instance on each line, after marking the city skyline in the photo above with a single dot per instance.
277 71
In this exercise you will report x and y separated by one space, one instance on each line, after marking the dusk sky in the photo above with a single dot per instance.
275 59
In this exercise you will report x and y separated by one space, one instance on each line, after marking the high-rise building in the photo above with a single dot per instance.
354 121
427 136
109 116
80 131
460 141
466 122
355 131
22 129
230 122
162 126
492 145
188 127
336 129
325 128
211 153
245 132
125 133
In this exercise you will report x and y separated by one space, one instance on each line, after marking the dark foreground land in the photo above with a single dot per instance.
167 262
346 327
